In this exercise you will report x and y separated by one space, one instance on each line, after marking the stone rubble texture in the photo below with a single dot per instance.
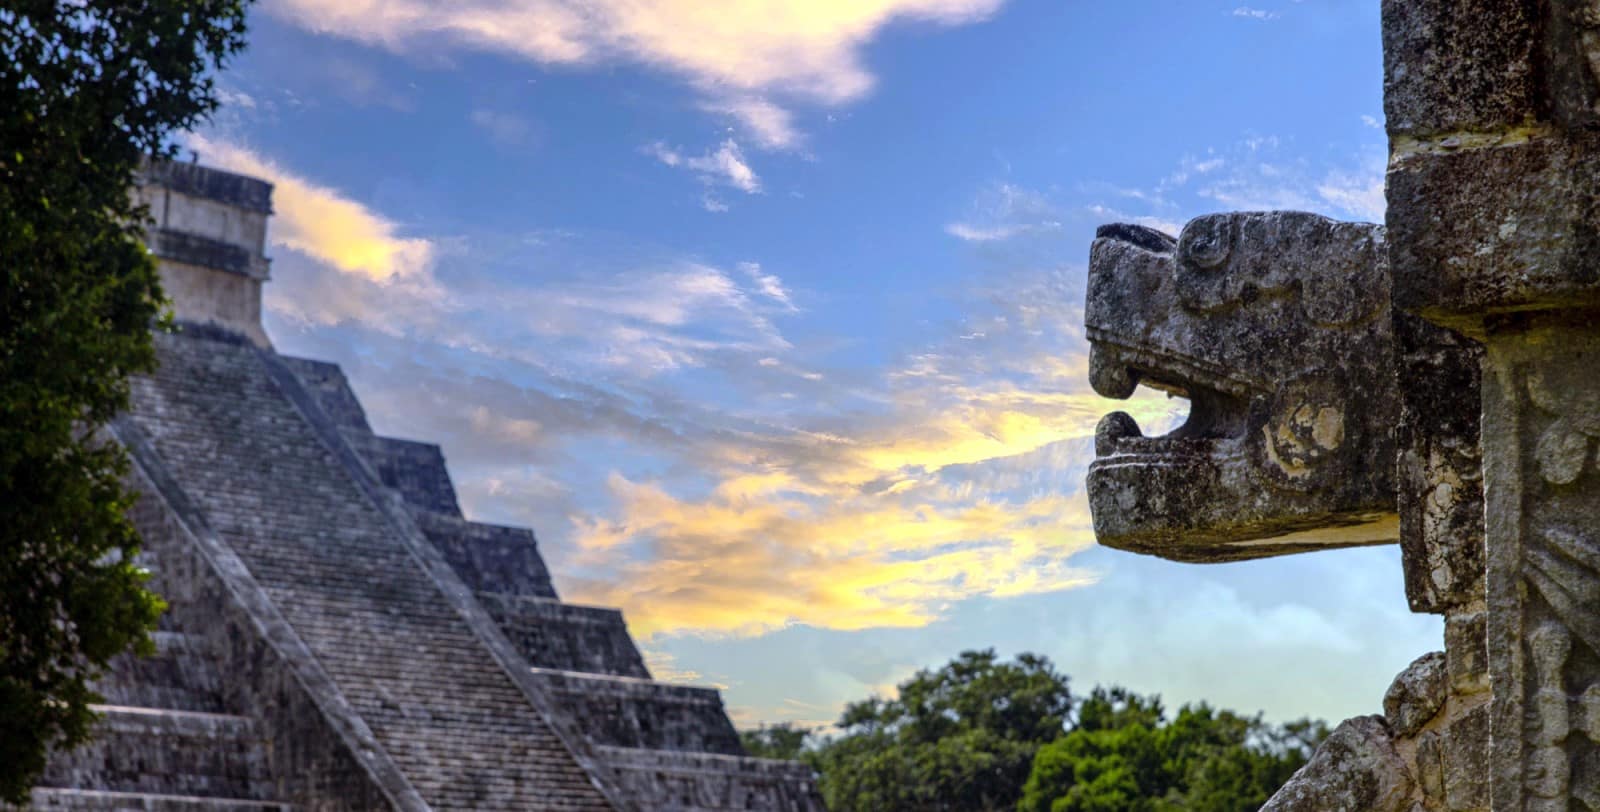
339 635
1484 355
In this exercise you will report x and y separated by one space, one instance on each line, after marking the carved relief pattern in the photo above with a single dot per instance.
1559 568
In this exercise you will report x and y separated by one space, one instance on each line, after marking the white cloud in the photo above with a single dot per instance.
768 285
726 165
236 98
1359 193
972 233
772 126
507 129
1255 13
744 50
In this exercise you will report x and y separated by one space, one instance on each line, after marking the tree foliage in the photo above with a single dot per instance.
88 89
959 738
980 734
1124 755
782 741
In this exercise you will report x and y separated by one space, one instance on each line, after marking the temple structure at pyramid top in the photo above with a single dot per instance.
340 635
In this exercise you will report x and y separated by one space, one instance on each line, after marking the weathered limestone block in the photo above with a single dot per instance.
1457 65
1467 652
643 714
414 469
1416 695
1451 762
1357 769
671 781
328 384
1501 223
1440 467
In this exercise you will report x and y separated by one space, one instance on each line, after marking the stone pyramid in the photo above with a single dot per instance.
339 635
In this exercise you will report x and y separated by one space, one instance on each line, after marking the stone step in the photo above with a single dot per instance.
566 637
488 557
673 781
166 752
181 675
96 800
643 713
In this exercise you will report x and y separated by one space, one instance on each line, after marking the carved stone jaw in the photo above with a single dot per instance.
1276 326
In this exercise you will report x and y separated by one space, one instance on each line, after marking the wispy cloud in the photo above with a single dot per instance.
771 126
360 83
1255 173
973 233
506 129
1254 13
235 98
1359 193
1003 211
737 54
726 165
768 285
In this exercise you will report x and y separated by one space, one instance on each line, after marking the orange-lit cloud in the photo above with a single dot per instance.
858 530
321 222
953 475
737 52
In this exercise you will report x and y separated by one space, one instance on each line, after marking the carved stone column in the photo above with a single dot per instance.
1542 408
1494 232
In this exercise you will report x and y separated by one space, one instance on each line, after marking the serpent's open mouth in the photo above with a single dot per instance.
1215 413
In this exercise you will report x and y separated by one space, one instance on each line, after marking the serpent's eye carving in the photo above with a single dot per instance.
1206 242
1203 276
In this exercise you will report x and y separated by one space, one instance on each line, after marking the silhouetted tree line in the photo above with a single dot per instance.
982 734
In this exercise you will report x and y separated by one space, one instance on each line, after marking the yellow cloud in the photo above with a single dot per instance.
852 532
321 223
733 50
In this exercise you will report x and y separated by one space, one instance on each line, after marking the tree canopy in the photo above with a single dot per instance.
982 734
1125 755
962 737
88 90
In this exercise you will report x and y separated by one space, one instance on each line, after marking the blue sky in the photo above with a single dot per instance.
767 316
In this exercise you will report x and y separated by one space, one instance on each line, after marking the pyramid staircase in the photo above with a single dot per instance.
339 636
165 742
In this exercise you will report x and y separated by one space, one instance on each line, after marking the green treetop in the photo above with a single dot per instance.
88 90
